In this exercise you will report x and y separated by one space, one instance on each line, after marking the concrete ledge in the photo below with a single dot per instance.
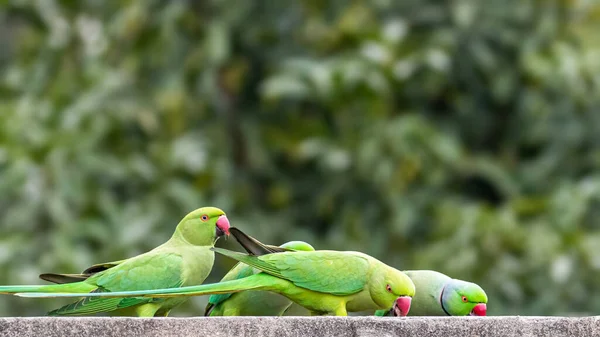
301 326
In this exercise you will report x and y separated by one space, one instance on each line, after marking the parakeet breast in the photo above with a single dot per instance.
197 264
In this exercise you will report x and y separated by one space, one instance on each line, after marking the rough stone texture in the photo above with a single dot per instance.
302 326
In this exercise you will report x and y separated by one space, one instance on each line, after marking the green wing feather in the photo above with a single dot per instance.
150 271
92 305
338 273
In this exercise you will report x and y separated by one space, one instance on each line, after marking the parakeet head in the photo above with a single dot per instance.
203 226
461 298
391 288
298 245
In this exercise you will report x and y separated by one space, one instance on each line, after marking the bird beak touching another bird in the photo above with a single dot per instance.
479 310
222 226
402 306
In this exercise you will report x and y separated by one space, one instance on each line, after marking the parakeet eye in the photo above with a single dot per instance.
464 299
388 288
204 217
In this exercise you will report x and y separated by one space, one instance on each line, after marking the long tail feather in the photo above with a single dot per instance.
51 288
254 282
20 289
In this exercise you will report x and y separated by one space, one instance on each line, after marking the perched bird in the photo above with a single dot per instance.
185 259
324 282
251 302
439 295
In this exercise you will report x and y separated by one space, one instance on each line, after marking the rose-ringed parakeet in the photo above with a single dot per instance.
324 282
440 295
251 302
185 259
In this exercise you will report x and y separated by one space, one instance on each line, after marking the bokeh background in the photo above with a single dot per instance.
461 136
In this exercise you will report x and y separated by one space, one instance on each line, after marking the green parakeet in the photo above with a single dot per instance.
251 302
440 295
324 282
185 259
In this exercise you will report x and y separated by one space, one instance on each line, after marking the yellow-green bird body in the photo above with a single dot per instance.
251 302
186 259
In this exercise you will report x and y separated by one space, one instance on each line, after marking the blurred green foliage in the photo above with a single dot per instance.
461 136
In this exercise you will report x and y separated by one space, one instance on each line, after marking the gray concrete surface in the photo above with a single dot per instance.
301 326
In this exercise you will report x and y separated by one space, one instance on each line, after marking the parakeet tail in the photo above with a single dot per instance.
255 282
51 288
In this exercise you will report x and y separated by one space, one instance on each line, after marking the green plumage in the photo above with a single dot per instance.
250 303
339 273
185 259
324 282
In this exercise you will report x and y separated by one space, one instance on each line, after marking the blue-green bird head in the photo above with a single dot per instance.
462 298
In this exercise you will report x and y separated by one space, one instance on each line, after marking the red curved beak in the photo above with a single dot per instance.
223 225
479 310
402 305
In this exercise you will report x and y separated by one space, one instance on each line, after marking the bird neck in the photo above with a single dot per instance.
195 233
442 300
